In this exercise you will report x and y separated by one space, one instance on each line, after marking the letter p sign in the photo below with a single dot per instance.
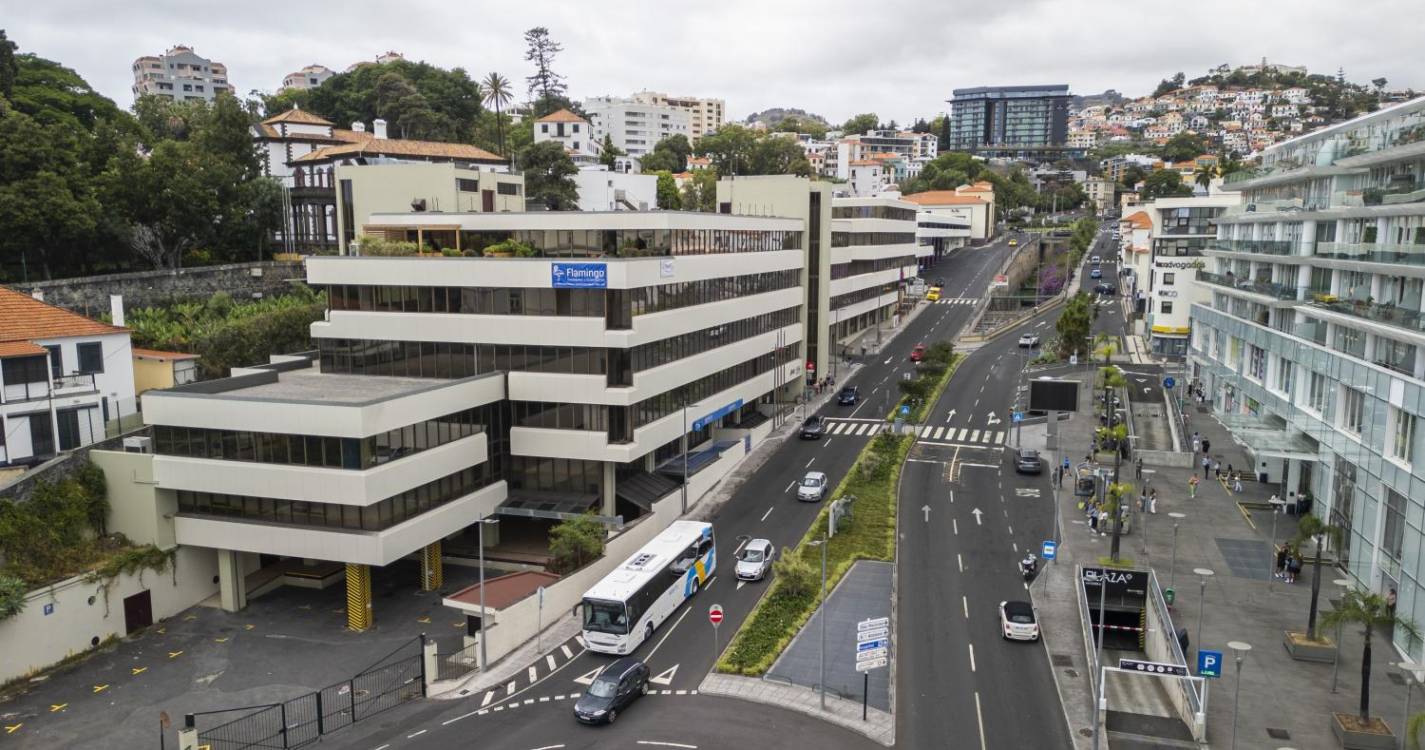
1209 663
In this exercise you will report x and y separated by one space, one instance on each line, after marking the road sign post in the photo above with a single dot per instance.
873 651
715 617
1049 550
1018 419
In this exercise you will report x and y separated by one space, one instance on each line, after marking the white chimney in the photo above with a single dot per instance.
38 294
358 127
116 309
378 126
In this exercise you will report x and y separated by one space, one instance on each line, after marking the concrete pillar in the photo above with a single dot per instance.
188 736
432 571
649 462
428 656
607 490
1293 477
1308 238
358 597
232 586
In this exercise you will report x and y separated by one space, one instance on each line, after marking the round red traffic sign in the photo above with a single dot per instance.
715 614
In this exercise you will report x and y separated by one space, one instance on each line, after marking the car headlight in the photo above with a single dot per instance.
600 712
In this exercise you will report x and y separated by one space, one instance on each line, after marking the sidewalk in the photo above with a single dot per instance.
1284 703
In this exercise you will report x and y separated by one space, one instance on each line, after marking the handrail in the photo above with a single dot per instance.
1155 596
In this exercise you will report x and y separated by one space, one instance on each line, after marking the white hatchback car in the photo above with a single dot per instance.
1017 621
755 560
812 487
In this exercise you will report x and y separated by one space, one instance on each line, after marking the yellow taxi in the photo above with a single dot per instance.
933 295
1013 242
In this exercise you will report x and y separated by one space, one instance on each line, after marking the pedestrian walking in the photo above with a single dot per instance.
1143 501
1093 519
1206 445
1138 468
1230 472
1237 483
1192 486
1216 469
1206 465
1280 573
1153 501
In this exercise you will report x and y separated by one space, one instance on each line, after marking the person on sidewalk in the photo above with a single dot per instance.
1216 468
1206 465
1237 483
1196 444
1138 468
1206 445
1143 501
1280 573
1093 519
1192 486
1153 501
1293 567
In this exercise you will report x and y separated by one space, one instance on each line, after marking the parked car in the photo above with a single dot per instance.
933 295
812 487
918 353
1095 274
1105 288
755 560
1017 621
617 687
1095 260
1027 461
813 428
1029 340
848 396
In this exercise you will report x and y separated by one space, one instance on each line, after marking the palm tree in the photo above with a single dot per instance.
1205 174
1112 379
1313 528
1370 612
497 95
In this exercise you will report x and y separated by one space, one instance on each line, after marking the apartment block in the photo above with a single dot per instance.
180 74
1016 122
1311 346
308 77
705 115
634 126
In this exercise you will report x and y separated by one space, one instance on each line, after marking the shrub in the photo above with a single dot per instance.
379 246
12 596
798 577
575 542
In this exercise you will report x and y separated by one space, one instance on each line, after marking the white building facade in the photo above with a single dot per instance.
180 74
635 127
704 115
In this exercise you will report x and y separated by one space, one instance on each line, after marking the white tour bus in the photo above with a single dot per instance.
622 610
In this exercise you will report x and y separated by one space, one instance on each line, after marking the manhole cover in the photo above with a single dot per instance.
1061 660
1278 734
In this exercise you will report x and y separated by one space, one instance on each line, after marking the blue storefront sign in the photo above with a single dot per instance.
708 419
579 275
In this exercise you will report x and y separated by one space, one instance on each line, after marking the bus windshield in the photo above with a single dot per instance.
605 617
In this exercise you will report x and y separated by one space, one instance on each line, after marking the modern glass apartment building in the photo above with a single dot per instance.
1313 344
1018 122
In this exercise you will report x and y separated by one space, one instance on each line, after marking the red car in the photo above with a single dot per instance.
918 353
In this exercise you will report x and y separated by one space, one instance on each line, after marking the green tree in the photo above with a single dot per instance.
668 196
498 95
541 50
1184 146
861 123
549 175
1204 175
575 542
609 153
448 109
1312 528
947 171
670 154
1073 325
1164 183
1132 175
8 69
1370 612
805 125
700 192
736 150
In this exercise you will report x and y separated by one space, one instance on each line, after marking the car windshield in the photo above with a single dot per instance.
811 482
602 616
1021 619
752 555
603 688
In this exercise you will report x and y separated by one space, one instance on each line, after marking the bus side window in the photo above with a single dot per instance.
704 544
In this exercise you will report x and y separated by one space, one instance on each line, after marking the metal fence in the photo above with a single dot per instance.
459 663
394 679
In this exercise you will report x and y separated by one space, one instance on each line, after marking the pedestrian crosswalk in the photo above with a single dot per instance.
955 301
859 428
965 435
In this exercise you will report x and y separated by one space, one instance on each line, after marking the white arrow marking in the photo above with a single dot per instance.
588 677
927 513
993 420
665 677
976 514
740 584
951 416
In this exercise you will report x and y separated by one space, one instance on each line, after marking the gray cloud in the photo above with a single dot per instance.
899 58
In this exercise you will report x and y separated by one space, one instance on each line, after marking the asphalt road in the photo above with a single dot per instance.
681 651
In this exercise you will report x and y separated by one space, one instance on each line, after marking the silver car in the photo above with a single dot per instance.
755 560
812 487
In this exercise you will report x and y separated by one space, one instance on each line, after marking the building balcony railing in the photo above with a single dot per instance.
64 385
1229 281
1387 313
1261 247
1372 252
1395 195
1313 331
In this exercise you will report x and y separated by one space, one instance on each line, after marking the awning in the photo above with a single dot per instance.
1264 437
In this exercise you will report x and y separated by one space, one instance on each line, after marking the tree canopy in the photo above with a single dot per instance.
416 99
1164 183
549 175
736 150
668 155
861 123
1184 146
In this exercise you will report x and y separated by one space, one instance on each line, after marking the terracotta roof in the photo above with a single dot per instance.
296 115
504 590
400 147
943 198
1140 220
19 349
24 318
981 185
562 115
865 163
161 356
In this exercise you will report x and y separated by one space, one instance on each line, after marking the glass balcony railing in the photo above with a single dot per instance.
1262 247
1230 281
1372 252
1312 330
1388 314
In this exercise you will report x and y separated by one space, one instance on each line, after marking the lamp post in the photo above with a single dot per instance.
822 543
1204 574
1173 566
481 541
1344 583
1413 675
1238 648
1278 505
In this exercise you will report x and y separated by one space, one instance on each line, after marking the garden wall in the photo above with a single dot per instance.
89 295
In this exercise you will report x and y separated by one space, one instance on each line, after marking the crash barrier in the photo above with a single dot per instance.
395 679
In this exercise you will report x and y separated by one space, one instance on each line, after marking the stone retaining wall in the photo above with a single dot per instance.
89 295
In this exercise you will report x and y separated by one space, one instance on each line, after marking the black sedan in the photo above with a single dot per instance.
1105 288
848 396
612 691
1028 461
813 428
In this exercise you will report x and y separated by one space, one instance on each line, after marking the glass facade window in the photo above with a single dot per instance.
467 300
559 416
858 239
858 267
1316 393
652 409
1195 220
566 475
873 212
331 516
1353 410
656 353
637 243
861 295
1402 444
652 299
1256 363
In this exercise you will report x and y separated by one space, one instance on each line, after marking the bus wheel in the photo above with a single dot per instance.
648 632
695 586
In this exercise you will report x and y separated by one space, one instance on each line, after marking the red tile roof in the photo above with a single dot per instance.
1140 220
298 116
19 349
943 198
504 590
401 147
162 356
562 115
24 319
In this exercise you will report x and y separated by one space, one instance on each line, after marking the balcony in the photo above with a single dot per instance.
64 385
1394 195
1372 252
1388 314
1258 247
1266 288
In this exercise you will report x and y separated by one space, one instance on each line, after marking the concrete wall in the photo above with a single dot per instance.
1160 644
516 623
72 616
89 295
138 509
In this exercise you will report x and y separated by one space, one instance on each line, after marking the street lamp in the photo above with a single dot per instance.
1345 584
1205 573
1173 567
1278 507
1413 675
481 541
822 543
1238 648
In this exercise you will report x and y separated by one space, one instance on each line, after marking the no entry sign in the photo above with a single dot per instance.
715 614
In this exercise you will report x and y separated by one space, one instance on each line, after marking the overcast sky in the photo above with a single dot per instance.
898 58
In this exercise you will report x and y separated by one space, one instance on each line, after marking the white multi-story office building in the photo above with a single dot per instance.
873 255
1312 347
635 127
705 115
309 77
180 74
446 389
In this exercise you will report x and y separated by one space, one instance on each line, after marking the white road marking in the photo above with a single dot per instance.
529 701
888 360
925 431
999 437
813 458
567 653
510 688
975 436
972 656
417 734
740 545
980 719
939 431
579 639
1015 545
965 602
667 744
533 674
959 563
790 485
549 659
489 696
549 747
543 699
659 645
955 526
963 434
826 442
769 512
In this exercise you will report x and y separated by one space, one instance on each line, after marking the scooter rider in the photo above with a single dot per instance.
1029 565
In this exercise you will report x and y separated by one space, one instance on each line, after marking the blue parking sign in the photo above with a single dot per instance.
1209 663
1050 549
